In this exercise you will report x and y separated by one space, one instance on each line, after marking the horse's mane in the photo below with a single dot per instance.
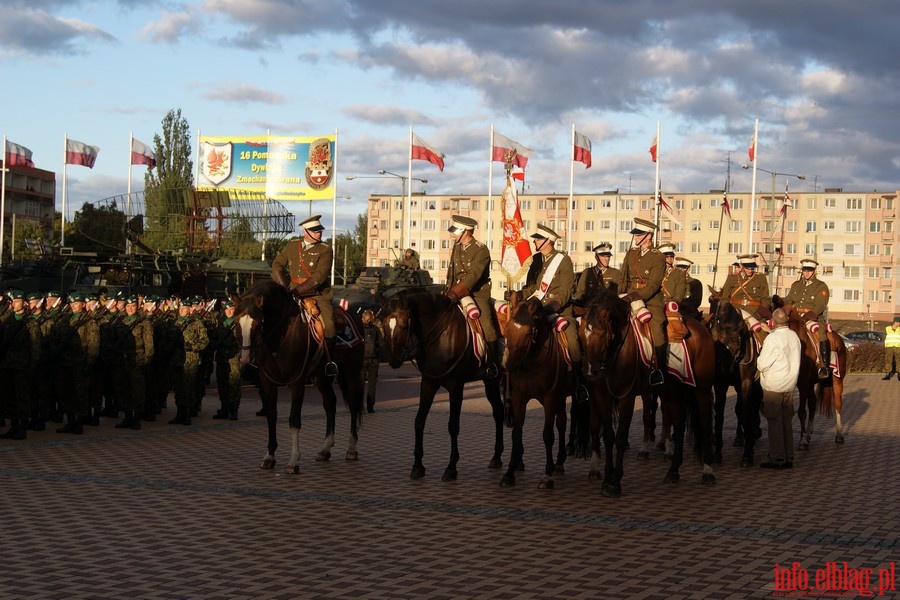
525 311
607 306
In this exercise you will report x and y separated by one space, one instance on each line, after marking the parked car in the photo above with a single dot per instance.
854 338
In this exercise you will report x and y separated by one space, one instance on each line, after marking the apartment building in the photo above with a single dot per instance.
853 235
30 196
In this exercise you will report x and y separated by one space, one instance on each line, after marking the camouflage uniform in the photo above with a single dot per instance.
470 268
228 367
21 346
76 341
136 346
195 339
371 360
309 268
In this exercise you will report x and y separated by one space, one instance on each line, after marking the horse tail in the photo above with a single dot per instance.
581 428
825 400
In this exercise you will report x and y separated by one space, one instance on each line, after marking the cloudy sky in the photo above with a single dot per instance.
820 75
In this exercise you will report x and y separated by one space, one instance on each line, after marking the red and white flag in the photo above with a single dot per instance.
751 149
582 150
788 203
79 153
654 148
422 151
17 156
726 207
516 251
662 201
142 154
518 173
504 149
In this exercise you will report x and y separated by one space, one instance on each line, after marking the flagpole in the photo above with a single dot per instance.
62 223
781 240
571 194
130 147
333 207
721 220
409 193
3 200
490 188
753 186
656 190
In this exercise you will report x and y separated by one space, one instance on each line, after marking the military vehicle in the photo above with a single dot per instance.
375 286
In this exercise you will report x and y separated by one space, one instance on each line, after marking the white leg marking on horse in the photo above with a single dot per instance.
295 446
707 469
329 442
837 421
392 324
670 446
351 445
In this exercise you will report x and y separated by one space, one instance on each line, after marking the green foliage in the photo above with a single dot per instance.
98 229
867 357
352 247
238 241
165 185
29 236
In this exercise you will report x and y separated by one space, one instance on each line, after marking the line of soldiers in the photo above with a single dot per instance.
80 357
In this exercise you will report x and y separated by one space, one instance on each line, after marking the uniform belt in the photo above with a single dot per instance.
551 296
298 279
638 285
747 302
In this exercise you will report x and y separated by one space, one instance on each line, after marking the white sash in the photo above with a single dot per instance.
541 291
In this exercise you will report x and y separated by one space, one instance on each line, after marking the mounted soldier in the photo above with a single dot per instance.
809 296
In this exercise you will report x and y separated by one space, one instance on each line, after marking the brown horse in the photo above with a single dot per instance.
826 393
736 367
433 332
286 354
613 365
537 368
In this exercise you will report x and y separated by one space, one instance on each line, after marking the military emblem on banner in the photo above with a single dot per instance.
215 161
319 166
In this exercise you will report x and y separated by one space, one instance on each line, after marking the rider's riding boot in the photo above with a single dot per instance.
657 375
825 349
888 376
582 394
492 370
331 367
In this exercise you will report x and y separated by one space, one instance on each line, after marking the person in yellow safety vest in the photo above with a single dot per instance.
892 349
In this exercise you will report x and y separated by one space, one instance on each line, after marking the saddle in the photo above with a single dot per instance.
679 362
347 334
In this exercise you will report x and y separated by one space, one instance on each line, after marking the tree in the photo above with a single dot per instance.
98 229
166 185
353 246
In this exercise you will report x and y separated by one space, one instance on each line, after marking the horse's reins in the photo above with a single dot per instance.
615 355
265 335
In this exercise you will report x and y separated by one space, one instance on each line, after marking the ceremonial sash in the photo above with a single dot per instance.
541 291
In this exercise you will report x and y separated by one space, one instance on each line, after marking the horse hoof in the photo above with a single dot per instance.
546 484
746 461
417 473
839 438
708 479
323 456
643 455
672 477
267 464
292 470
611 491
507 481
352 455
495 463
738 442
449 475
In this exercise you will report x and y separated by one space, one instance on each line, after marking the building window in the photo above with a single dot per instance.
430 244
735 247
525 205
713 224
735 226
696 204
623 247
828 226
827 248
811 203
713 246
851 249
875 203
809 249
588 246
792 226
851 295
851 272
398 205
791 248
445 205
626 225
445 244
854 203
710 268
605 224
810 226
736 203
588 205
827 203
695 225
475 205
679 205
874 249
626 204
542 205
384 244
874 226
383 224
695 247
396 225
431 205
853 226
605 203
384 205
428 224
645 204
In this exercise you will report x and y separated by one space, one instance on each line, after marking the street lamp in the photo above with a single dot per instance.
383 174
774 174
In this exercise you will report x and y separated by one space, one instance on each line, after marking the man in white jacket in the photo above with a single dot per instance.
779 366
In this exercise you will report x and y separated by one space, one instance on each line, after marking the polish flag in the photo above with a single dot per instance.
78 153
17 156
726 207
582 150
422 151
751 149
142 154
518 173
502 148
788 203
654 147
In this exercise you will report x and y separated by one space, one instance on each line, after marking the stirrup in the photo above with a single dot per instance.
582 394
331 368
823 372
657 378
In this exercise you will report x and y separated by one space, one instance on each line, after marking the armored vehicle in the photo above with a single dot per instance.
375 286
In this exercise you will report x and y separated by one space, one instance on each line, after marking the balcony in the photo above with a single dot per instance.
886 282
887 260
373 232
887 236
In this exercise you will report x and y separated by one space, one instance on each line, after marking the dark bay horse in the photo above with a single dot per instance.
613 365
736 355
427 328
537 369
286 354
824 393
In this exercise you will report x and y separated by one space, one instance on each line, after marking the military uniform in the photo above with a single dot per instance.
309 268
371 358
749 293
137 348
228 366
76 343
410 261
810 296
470 268
693 295
643 272
195 339
21 346
597 277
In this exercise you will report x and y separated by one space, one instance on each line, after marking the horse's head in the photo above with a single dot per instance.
601 333
397 327
729 330
525 331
